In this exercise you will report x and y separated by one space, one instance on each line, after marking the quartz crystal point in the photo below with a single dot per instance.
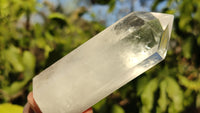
103 64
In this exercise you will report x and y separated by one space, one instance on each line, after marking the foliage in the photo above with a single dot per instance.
10 108
27 48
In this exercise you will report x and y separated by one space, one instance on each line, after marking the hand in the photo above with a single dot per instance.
32 107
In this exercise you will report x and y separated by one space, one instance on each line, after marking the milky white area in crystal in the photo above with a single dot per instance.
103 64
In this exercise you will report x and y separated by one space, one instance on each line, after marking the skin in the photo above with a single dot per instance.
32 107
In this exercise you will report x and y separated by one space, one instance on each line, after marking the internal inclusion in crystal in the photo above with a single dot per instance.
143 34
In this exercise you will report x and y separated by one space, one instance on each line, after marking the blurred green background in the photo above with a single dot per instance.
34 34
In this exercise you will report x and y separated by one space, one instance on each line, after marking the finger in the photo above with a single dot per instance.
32 103
88 111
27 108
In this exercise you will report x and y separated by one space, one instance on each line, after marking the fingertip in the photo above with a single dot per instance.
27 108
32 103
88 111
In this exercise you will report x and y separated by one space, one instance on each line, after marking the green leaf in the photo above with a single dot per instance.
13 56
57 16
163 100
40 42
147 96
187 48
184 23
175 94
141 84
117 109
14 88
29 62
99 105
194 85
171 11
111 6
197 13
188 97
198 101
10 108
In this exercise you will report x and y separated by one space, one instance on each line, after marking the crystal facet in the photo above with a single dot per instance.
103 64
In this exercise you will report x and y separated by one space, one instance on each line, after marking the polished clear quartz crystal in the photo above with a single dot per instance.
103 64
